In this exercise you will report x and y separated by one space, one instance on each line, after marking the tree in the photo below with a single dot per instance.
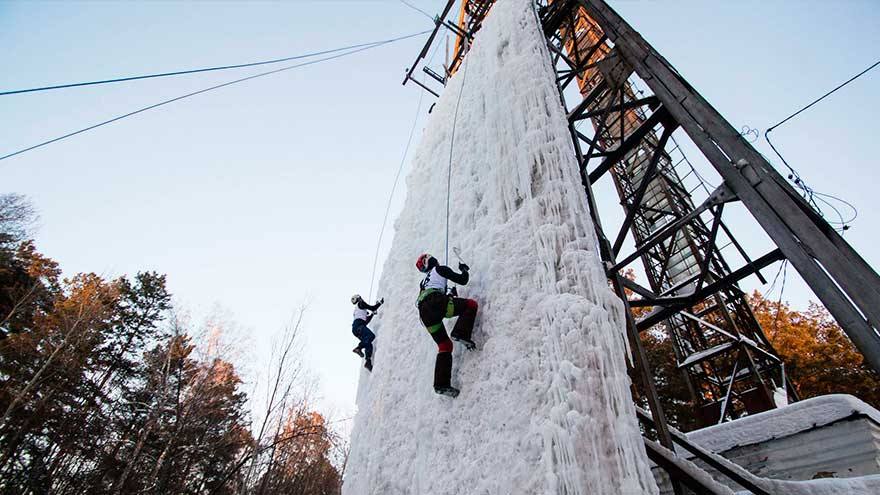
29 284
190 422
17 218
669 381
301 463
293 450
819 357
28 281
104 390
98 396
44 373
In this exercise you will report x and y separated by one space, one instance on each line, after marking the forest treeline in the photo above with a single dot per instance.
105 389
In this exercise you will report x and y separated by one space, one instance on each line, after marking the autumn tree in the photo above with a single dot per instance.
105 390
293 448
98 395
45 371
669 381
187 421
819 357
29 285
301 463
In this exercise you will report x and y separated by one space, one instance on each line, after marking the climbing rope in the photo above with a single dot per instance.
397 179
393 188
451 147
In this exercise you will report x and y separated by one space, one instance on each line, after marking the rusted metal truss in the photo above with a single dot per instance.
691 294
692 291
623 135
471 15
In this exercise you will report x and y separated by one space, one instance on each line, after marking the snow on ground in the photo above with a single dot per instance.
866 485
781 422
784 421
545 403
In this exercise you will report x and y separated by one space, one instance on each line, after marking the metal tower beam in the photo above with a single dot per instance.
729 366
844 282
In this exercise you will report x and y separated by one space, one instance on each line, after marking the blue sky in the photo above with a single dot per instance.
262 195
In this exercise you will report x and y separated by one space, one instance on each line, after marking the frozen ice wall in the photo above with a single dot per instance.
545 405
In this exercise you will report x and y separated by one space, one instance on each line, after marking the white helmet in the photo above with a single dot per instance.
355 298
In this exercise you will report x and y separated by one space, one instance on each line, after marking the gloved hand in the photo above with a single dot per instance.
381 301
463 267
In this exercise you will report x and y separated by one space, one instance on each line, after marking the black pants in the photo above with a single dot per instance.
432 309
365 335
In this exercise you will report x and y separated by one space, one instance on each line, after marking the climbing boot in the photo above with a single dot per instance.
468 343
448 391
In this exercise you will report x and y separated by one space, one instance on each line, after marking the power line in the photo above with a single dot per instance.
182 72
205 90
817 100
429 16
809 193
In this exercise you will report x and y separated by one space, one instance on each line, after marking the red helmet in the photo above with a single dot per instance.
422 262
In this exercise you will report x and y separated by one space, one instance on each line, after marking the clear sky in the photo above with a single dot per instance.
262 195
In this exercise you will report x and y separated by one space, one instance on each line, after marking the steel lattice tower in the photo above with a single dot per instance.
729 366
624 133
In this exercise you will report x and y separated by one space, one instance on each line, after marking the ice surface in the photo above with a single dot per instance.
545 405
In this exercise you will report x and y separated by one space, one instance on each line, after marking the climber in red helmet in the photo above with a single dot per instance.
435 304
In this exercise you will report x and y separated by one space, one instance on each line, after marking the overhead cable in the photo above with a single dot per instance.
205 90
429 16
809 193
183 72
817 100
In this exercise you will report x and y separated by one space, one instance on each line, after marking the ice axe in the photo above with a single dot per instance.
457 252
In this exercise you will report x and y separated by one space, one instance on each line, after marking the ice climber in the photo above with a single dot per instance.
363 313
435 304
